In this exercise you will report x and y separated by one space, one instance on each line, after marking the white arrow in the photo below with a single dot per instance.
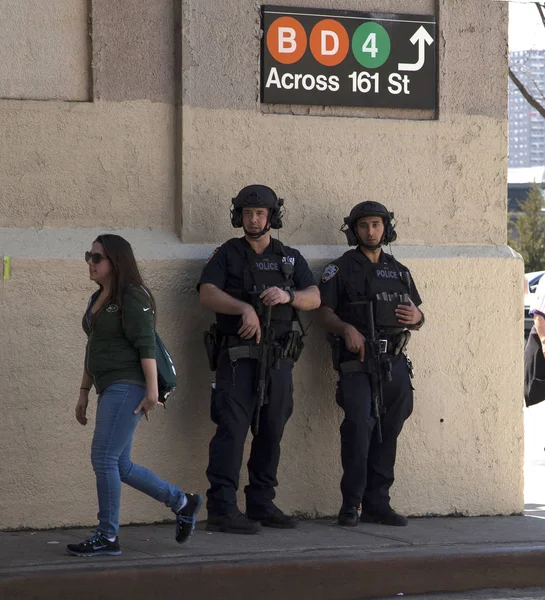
422 37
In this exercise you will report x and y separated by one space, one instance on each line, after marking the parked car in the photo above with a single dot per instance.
530 284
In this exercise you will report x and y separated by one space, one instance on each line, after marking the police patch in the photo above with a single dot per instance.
212 255
329 272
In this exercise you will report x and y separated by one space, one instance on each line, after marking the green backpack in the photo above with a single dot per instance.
166 372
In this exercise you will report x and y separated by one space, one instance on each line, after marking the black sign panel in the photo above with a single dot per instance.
345 58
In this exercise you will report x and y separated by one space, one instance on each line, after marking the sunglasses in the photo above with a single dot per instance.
96 257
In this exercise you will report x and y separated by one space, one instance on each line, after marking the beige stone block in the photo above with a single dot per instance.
445 180
45 49
134 50
102 165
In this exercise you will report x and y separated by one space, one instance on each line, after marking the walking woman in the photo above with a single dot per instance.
120 364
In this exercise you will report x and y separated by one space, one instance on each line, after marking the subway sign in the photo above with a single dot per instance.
345 58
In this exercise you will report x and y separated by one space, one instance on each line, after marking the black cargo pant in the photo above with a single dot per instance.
232 409
368 466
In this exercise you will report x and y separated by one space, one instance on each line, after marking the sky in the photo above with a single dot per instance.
526 30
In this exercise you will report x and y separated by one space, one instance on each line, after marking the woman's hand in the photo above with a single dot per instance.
149 402
81 407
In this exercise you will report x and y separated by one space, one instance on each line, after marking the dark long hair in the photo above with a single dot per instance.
125 271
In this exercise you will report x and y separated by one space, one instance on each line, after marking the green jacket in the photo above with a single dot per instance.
116 346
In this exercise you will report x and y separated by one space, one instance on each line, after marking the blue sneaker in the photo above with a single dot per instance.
98 545
186 517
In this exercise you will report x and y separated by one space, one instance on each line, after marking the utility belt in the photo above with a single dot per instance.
391 346
355 366
386 345
289 345
238 348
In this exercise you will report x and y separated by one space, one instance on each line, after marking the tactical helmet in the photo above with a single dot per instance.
369 209
258 196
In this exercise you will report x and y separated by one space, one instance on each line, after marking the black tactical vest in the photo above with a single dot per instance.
382 283
262 271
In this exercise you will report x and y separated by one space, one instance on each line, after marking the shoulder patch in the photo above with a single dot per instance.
329 272
212 255
288 260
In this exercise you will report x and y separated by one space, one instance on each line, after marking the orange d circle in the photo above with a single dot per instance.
286 40
329 42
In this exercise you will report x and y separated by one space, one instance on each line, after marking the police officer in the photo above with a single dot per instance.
362 275
244 280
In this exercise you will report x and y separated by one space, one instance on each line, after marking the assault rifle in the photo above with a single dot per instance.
266 357
375 366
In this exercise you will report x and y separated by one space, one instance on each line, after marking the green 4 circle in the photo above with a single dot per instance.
371 45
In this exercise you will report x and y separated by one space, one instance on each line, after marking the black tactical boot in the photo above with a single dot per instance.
271 516
386 516
348 516
233 522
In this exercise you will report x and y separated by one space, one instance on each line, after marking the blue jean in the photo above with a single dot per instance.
111 456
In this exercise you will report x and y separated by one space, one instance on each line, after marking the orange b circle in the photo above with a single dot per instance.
329 42
286 40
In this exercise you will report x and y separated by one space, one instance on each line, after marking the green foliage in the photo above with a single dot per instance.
527 230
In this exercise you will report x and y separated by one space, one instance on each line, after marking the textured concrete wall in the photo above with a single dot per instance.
102 164
134 50
109 163
446 181
460 453
132 160
323 165
45 49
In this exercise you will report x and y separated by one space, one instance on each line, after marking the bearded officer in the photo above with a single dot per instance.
241 281
368 284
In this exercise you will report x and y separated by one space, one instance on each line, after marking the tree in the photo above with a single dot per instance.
528 237
535 98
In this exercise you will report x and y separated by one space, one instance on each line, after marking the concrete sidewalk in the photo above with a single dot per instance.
319 560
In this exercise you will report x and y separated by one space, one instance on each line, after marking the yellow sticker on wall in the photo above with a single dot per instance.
7 267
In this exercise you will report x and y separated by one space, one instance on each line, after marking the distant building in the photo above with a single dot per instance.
526 125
